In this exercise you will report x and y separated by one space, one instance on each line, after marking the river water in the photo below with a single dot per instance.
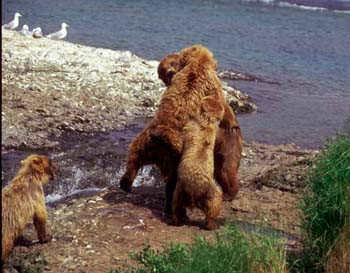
303 45
299 48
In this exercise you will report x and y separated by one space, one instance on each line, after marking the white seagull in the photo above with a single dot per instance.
37 32
14 23
25 31
61 34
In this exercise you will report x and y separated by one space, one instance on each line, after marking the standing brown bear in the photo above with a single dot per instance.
228 144
195 79
196 186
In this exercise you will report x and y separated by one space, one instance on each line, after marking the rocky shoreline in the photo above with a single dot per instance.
49 87
82 106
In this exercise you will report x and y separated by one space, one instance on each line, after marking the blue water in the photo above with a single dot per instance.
303 45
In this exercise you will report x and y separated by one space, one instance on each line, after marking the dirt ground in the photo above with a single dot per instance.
98 233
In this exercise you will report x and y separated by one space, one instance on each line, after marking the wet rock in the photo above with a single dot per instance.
238 76
240 103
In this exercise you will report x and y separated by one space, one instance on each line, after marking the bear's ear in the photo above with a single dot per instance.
212 107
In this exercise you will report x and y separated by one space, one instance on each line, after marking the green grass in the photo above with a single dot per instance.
231 251
326 205
168 260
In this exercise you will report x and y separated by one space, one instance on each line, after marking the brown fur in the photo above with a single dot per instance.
196 186
23 199
168 67
227 157
195 79
228 145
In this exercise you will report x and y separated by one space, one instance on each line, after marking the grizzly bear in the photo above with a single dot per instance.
23 199
196 186
196 78
229 143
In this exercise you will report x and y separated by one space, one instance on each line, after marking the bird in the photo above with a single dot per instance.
14 23
25 31
61 34
37 32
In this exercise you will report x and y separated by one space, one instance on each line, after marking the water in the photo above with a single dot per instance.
87 163
302 45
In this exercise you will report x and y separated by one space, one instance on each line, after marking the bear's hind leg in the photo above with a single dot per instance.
178 207
134 163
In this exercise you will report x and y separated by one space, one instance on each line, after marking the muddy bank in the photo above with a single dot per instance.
98 233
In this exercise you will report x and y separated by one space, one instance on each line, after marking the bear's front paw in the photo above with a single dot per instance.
125 183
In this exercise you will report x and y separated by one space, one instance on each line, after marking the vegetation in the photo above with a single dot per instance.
326 206
231 251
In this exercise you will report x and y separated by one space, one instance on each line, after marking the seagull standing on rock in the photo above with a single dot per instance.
59 35
25 31
14 23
